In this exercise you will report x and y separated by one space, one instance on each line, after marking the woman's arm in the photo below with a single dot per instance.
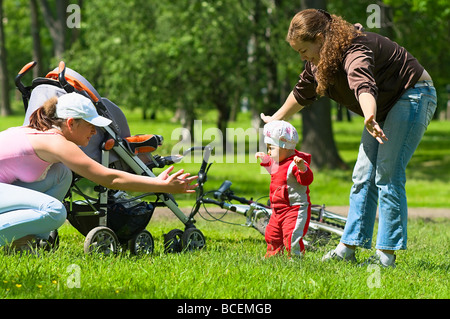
369 107
304 93
289 108
61 150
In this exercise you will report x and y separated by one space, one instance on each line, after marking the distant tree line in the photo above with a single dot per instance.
191 56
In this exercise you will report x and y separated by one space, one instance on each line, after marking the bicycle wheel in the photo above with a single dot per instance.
321 234
320 214
260 219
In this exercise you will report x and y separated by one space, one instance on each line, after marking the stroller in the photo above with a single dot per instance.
112 220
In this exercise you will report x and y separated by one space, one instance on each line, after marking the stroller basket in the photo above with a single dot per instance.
125 218
128 222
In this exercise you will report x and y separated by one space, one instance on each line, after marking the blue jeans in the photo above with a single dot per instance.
379 173
34 208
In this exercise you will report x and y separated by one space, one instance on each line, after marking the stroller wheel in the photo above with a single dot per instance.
101 240
142 243
172 241
193 239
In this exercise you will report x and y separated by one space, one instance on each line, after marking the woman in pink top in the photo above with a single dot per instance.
36 163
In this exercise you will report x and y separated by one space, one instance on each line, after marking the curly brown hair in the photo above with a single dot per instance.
338 34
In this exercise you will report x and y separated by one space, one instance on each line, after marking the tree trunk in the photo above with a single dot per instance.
318 136
37 53
56 25
263 76
185 116
318 139
222 119
5 106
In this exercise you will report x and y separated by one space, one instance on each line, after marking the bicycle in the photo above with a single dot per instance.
325 227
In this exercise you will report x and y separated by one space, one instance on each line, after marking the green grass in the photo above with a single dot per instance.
232 265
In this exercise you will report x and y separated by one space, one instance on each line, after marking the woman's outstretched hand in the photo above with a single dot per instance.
265 118
178 182
375 130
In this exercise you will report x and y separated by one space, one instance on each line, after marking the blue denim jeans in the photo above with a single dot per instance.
34 208
379 174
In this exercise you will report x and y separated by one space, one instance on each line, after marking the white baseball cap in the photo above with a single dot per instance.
280 133
79 107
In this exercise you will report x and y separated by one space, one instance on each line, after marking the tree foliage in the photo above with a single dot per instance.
200 55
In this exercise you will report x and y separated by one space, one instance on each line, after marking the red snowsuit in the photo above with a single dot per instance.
291 205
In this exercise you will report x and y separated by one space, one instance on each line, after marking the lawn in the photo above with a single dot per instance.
232 265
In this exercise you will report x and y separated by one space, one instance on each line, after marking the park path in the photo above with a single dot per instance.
413 212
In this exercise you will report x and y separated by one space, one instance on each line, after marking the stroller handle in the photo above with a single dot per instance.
26 92
62 78
27 67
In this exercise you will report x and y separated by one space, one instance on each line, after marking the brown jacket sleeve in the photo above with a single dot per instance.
359 64
305 89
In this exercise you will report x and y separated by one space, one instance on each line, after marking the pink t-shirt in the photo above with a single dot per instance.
18 160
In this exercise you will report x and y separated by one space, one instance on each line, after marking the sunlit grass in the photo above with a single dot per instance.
230 266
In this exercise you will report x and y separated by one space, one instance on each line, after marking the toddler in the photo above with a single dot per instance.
289 192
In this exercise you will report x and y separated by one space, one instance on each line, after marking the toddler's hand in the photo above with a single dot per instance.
300 162
260 155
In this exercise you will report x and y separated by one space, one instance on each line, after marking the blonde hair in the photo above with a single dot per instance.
44 118
338 34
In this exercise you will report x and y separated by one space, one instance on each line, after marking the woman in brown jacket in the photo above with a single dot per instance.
379 80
